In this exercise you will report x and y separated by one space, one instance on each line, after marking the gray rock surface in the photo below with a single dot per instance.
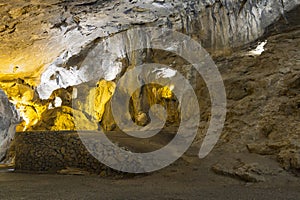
9 118
62 31
220 26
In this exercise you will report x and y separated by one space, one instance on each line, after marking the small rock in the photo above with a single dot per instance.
103 174
245 172
285 70
260 148
73 171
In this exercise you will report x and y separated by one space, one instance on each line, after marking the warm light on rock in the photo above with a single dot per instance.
68 67
166 92
98 97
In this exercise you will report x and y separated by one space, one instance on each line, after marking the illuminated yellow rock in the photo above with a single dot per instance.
165 92
97 99
47 115
62 119
22 95
18 91
163 96
51 116
29 115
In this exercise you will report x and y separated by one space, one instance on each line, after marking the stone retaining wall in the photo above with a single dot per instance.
51 152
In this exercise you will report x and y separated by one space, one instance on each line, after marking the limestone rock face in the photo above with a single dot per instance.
219 26
94 99
9 118
62 119
61 32
262 89
264 117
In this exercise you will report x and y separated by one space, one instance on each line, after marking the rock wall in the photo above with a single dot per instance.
9 118
219 26
52 152
67 29
263 90
263 103
60 41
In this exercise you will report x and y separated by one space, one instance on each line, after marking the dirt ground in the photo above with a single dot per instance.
188 178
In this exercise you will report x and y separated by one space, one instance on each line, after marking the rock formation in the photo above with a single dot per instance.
9 118
46 74
62 31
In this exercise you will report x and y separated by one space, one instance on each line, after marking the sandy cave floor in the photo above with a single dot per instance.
181 180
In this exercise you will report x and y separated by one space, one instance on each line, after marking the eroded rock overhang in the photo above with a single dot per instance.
39 35
44 43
